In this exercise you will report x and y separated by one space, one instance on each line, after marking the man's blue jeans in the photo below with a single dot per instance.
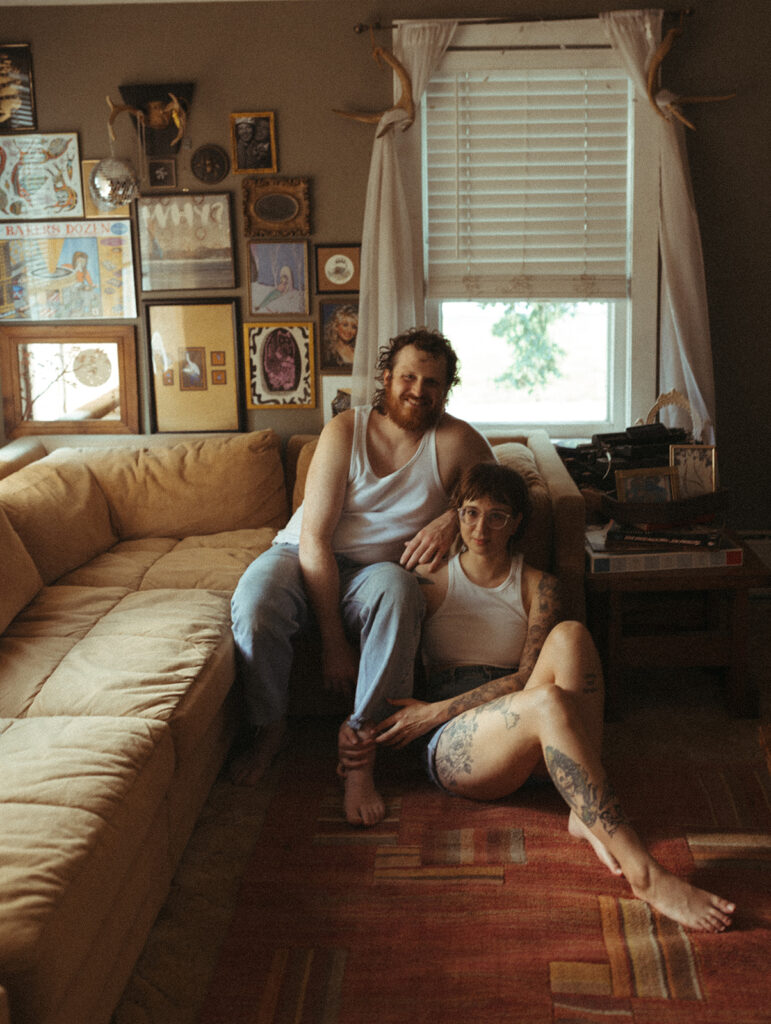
381 605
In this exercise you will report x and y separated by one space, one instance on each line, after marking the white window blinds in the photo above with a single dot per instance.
527 183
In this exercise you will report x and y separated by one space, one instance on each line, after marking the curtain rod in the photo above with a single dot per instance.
377 25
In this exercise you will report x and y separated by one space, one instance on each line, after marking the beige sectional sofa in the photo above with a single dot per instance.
117 704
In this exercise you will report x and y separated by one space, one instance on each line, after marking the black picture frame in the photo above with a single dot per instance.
17 110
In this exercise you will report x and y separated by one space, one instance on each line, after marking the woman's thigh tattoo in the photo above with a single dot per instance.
455 754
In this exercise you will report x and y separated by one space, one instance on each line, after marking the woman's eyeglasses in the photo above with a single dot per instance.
495 519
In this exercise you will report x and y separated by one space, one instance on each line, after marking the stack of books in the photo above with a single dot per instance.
622 547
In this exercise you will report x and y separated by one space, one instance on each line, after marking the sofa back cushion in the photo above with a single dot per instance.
19 576
57 508
536 542
201 486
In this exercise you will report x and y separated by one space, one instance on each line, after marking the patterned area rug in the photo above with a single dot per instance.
472 913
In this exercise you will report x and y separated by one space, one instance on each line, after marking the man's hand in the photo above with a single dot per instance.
431 545
414 719
340 667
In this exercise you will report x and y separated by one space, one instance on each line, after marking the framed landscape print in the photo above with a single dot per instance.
17 96
339 328
253 141
67 270
279 366
40 176
278 278
186 242
195 365
337 268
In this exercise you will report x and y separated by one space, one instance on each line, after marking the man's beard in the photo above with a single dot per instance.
410 417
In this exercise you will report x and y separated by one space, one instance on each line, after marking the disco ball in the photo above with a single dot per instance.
113 183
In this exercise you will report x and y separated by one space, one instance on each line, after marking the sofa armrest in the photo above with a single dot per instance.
16 455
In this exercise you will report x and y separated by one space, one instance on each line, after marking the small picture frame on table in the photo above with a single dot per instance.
696 468
337 268
279 365
278 278
339 322
655 484
17 109
194 365
253 142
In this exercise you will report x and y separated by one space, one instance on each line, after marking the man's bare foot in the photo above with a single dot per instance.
691 907
362 803
577 828
250 764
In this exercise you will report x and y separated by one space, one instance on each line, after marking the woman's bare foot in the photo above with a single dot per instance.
250 764
577 828
691 907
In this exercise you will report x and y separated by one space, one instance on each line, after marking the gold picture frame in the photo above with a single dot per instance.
253 143
278 360
696 467
277 206
649 484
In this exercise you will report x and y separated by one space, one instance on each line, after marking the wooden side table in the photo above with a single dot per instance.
671 619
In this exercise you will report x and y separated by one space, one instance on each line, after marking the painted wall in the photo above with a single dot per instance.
302 59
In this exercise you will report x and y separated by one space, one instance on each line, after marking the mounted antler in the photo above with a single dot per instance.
156 114
405 101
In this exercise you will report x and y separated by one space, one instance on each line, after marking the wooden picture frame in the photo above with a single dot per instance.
338 329
696 467
17 107
277 207
278 278
279 365
186 241
253 143
67 270
650 484
44 163
338 268
194 365
69 379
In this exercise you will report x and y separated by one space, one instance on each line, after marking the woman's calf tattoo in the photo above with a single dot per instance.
582 795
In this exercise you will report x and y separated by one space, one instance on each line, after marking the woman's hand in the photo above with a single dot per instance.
413 719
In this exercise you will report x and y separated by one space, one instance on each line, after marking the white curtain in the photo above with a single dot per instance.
686 351
391 282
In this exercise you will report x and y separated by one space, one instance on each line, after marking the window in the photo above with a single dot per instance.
539 228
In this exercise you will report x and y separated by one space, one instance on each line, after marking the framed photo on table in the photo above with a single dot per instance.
195 365
17 104
278 278
279 365
647 484
337 268
696 468
39 176
186 241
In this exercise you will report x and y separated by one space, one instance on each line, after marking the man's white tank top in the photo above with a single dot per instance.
477 625
381 513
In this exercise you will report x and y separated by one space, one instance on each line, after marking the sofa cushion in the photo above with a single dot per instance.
213 562
196 487
19 576
57 508
536 542
124 565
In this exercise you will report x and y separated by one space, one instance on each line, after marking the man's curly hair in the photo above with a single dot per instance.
425 339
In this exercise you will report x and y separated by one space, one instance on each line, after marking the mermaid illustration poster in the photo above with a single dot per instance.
40 177
66 270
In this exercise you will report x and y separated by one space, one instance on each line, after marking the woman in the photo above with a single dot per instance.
509 688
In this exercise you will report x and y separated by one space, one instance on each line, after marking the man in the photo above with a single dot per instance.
378 475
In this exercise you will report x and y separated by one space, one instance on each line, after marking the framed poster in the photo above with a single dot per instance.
17 96
67 270
253 141
335 395
337 268
69 379
40 176
279 366
186 241
277 206
195 365
278 278
339 326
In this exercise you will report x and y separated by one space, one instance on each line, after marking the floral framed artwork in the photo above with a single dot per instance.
277 207
17 95
696 468
69 379
186 241
67 270
648 484
40 176
337 268
253 143
279 366
195 365
339 322
278 278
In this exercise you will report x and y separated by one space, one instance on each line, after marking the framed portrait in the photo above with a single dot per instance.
186 241
339 323
278 278
335 395
696 467
277 206
253 143
17 95
40 176
649 484
279 366
67 270
162 173
337 268
195 365
69 379
91 210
